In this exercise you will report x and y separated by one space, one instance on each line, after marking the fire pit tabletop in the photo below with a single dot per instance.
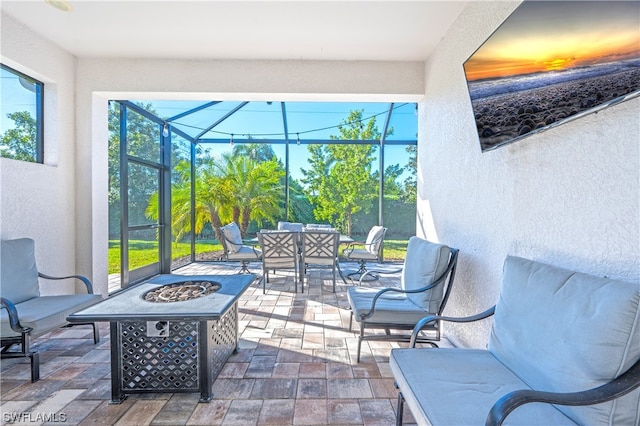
129 304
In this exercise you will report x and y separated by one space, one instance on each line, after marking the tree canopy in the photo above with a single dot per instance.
19 142
340 181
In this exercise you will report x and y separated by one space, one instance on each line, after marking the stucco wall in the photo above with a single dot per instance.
38 200
568 196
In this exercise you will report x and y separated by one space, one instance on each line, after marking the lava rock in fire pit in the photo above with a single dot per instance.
182 291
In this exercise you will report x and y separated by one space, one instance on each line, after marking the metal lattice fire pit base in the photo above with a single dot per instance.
169 347
187 358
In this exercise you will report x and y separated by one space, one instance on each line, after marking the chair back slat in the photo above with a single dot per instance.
320 247
279 248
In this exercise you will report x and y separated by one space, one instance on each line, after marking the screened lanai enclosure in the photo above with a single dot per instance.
179 170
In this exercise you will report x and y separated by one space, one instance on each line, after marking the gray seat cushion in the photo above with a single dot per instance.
46 313
245 253
357 254
391 308
563 331
459 386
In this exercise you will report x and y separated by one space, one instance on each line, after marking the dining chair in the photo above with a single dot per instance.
319 249
279 251
235 249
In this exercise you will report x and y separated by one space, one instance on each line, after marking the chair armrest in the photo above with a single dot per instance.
623 384
432 318
371 272
399 290
14 321
350 247
393 290
255 252
82 278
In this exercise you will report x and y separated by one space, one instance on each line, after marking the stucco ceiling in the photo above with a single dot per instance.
263 30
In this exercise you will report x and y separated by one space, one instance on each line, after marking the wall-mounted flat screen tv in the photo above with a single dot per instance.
551 62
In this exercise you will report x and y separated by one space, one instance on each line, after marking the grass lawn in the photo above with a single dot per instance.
146 252
395 250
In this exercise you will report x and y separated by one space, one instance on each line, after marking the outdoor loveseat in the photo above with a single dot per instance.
25 313
564 349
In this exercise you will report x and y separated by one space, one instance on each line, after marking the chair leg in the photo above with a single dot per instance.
244 267
360 338
400 409
96 333
25 351
340 272
35 366
351 322
334 278
361 271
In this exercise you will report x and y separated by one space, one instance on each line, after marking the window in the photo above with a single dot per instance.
21 129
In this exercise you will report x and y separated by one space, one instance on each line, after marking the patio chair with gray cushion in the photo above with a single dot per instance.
279 251
320 248
369 251
236 250
425 284
26 314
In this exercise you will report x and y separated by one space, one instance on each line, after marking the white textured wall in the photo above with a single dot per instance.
38 200
568 196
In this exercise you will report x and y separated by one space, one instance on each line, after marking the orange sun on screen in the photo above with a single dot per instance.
557 64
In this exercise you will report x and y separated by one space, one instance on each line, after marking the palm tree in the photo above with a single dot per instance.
256 189
233 188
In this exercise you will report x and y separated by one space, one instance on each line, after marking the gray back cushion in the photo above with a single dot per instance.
424 263
19 275
374 239
232 235
563 331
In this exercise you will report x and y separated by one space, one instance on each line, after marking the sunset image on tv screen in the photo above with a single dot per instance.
552 61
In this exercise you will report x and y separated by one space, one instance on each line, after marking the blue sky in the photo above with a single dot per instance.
308 120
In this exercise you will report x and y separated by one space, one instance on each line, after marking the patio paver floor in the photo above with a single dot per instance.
295 365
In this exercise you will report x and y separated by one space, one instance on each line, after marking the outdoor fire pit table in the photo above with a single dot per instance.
172 333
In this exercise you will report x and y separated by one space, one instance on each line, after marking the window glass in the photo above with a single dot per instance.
21 116
144 207
143 137
400 191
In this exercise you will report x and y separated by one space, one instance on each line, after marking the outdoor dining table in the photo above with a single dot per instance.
344 239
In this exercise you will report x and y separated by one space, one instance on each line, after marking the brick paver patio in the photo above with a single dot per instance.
296 365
